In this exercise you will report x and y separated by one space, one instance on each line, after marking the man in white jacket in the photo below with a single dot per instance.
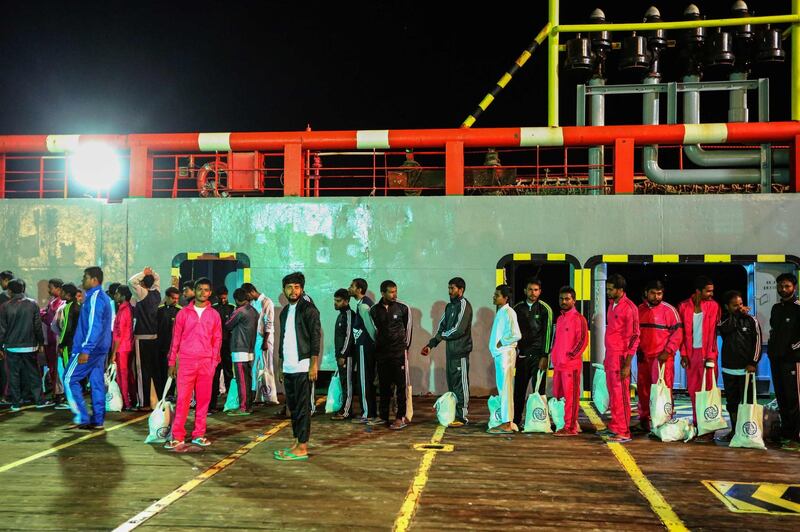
503 347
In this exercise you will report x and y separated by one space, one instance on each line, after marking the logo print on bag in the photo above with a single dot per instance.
711 412
750 428
668 409
163 432
538 414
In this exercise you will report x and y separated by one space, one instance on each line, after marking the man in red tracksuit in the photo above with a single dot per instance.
621 341
660 336
193 357
122 345
48 314
571 339
700 315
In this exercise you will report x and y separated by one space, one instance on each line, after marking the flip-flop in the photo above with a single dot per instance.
288 456
499 431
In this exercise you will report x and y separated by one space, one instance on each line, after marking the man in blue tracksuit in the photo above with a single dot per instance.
90 347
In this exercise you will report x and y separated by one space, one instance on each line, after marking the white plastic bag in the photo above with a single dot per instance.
749 420
495 412
160 421
661 407
772 422
677 429
113 394
600 389
333 403
445 407
708 407
557 408
537 415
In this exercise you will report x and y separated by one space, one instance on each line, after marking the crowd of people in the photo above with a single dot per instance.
196 340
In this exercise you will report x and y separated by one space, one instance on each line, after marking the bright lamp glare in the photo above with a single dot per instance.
96 166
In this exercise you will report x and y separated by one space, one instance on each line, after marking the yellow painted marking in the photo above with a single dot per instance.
657 502
766 492
193 256
246 275
550 372
666 258
541 136
772 494
440 447
587 353
556 256
4 412
409 506
228 255
577 283
523 58
771 258
184 489
500 276
486 102
586 394
522 256
615 258
717 258
705 133
543 34
504 80
175 272
70 443
468 122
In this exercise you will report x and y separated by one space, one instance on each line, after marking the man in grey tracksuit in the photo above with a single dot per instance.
455 328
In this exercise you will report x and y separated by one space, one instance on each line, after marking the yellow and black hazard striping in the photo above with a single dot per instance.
757 497
241 258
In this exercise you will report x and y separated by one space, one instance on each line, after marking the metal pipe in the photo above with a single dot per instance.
794 18
552 67
737 100
725 157
597 153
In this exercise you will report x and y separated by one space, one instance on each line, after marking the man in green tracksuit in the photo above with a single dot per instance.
455 328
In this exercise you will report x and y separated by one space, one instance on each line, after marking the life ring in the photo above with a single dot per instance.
212 186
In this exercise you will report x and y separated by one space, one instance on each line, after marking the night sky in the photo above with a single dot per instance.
125 67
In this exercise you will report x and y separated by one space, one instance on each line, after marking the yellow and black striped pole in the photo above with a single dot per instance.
503 81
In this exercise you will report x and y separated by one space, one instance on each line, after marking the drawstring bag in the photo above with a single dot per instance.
600 389
333 402
708 407
495 412
749 420
557 408
160 421
232 400
113 394
445 407
537 416
678 429
661 407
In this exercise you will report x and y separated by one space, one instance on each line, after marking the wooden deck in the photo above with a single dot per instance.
358 479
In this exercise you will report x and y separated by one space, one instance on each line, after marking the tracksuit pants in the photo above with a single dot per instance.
348 377
526 371
147 368
504 363
194 377
224 369
619 395
646 377
125 377
695 374
366 366
23 372
51 355
734 393
567 385
94 369
458 383
392 371
264 363
786 381
298 400
4 384
244 382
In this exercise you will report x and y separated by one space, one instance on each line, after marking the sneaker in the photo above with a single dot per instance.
4 401
359 420
96 427
376 421
62 406
15 408
726 438
399 424
791 445
202 441
44 404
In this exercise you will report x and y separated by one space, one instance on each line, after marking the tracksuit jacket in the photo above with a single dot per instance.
659 329
343 342
20 323
196 338
784 336
571 339
123 328
741 341
242 326
455 328
536 325
93 333
392 325
711 317
622 328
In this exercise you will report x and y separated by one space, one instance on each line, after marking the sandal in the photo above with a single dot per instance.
288 456
497 430
173 444
202 441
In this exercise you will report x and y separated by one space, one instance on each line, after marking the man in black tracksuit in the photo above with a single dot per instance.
344 348
145 337
165 320
784 357
455 328
392 320
301 336
741 350
364 355
242 328
535 319
225 366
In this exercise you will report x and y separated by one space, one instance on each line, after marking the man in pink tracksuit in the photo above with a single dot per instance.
621 341
571 339
700 315
122 344
48 314
193 357
660 337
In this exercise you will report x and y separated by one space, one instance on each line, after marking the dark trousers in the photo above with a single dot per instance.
734 394
243 371
4 371
23 373
786 381
298 401
526 371
365 361
224 368
147 370
392 372
348 377
458 382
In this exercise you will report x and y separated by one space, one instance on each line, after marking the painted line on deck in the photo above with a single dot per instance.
70 443
4 412
657 502
403 520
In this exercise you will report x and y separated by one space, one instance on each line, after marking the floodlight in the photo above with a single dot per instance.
96 166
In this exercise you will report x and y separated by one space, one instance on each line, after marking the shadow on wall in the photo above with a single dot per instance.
481 362
419 339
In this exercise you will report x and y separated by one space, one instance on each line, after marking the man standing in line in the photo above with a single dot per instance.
146 285
196 341
264 383
503 347
364 337
122 345
187 293
165 317
621 342
455 328
571 339
392 319
784 358
301 336
51 340
344 349
225 367
5 278
90 348
69 316
741 351
660 337
535 318
242 328
700 315
21 338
